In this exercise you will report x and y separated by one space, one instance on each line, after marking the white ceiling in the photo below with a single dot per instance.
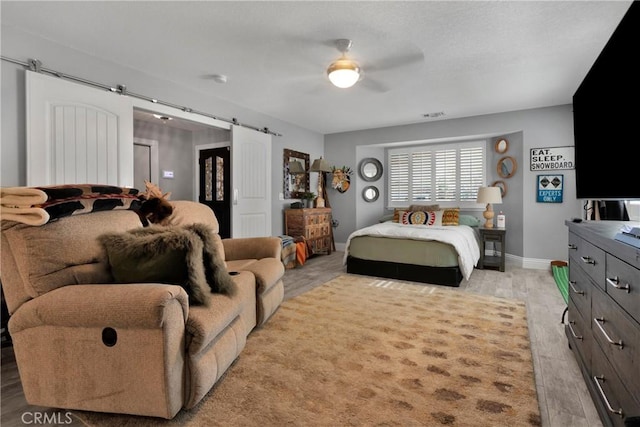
464 58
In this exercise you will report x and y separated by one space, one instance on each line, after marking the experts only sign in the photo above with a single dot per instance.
552 158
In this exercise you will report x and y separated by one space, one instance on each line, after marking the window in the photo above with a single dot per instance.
447 173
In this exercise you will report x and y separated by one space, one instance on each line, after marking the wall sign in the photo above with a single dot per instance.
552 158
550 188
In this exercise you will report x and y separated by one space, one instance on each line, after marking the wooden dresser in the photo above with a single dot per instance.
603 326
314 224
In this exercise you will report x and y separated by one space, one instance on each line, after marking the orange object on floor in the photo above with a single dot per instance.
301 252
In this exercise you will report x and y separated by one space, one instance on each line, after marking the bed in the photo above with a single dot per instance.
442 255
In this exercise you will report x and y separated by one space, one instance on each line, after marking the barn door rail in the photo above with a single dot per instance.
36 66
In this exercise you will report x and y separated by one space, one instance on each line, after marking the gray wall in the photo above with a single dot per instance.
22 46
535 231
175 153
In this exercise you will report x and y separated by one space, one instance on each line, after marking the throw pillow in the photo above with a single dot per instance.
450 216
397 212
184 256
429 218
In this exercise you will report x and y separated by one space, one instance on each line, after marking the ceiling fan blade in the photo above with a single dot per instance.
392 63
373 84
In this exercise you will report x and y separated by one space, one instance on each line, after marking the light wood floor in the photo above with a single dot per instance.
563 396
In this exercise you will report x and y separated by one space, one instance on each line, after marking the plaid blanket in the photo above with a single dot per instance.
40 205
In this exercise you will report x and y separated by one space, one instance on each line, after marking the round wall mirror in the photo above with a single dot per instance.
503 187
507 167
370 194
370 169
502 145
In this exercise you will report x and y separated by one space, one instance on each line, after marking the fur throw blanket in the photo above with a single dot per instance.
181 255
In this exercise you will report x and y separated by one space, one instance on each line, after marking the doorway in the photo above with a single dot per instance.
145 162
214 188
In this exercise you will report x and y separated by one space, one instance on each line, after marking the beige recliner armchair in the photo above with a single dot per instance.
84 342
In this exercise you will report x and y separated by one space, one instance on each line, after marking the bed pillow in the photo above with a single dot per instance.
424 208
385 218
469 220
428 218
450 216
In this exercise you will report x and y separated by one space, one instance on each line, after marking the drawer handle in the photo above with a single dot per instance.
615 282
597 379
573 332
620 344
572 246
588 260
573 289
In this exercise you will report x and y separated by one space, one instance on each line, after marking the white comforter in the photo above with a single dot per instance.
461 237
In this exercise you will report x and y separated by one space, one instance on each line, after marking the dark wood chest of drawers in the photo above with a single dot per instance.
313 224
603 326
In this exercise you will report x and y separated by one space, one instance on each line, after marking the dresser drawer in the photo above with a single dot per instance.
619 337
580 289
579 333
589 257
614 399
623 285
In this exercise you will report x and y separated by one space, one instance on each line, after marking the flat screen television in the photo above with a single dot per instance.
606 118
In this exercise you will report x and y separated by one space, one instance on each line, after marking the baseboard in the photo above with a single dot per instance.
532 263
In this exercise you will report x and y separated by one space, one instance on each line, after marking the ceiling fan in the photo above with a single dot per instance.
344 72
380 65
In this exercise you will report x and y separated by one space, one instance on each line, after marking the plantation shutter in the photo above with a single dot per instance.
421 175
449 173
399 177
446 176
471 173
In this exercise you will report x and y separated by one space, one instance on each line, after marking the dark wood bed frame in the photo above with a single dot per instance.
448 276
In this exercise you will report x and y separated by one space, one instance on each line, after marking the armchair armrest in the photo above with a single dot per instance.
252 248
144 306
108 348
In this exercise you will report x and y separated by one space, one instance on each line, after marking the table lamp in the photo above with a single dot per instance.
321 166
489 195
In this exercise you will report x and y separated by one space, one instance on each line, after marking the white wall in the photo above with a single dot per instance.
19 45
535 231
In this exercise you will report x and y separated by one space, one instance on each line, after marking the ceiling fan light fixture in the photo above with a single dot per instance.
343 73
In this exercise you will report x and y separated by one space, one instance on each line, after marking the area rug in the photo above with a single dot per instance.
360 351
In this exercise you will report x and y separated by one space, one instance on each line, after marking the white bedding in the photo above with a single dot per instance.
461 237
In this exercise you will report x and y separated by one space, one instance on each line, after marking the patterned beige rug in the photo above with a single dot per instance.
360 351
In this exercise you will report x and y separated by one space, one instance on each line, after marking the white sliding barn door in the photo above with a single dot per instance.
77 134
250 183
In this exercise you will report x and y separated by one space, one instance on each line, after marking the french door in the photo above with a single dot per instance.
215 185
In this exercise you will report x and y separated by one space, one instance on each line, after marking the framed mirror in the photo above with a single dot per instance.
503 187
298 182
502 145
370 169
370 193
507 167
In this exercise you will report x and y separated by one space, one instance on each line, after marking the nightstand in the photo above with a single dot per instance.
497 237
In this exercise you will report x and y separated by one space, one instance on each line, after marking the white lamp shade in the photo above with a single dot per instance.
489 195
343 73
